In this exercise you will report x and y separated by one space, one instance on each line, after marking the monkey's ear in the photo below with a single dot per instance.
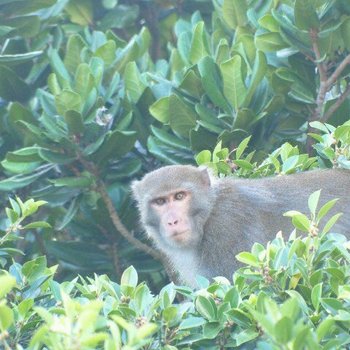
205 176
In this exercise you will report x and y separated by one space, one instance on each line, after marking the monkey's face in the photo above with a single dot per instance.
173 217
175 202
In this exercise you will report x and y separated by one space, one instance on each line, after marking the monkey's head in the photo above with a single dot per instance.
175 202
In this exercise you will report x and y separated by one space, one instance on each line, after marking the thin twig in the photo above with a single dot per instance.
322 69
130 238
101 189
336 104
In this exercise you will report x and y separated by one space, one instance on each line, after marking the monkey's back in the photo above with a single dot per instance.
251 210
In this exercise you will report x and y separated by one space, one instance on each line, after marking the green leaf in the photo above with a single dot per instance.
199 45
59 68
74 122
234 88
245 336
283 330
211 330
203 157
158 149
12 215
19 58
259 71
143 298
79 181
326 208
107 52
26 154
7 282
84 80
173 110
20 181
115 145
242 147
305 15
232 297
129 277
55 157
53 84
12 87
37 224
269 42
301 222
205 308
344 292
24 26
248 258
6 316
68 100
316 295
313 202
330 223
133 83
325 328
80 12
20 167
169 313
235 12
240 317
192 322
169 139
160 110
69 215
212 83
192 83
72 58
332 305
21 7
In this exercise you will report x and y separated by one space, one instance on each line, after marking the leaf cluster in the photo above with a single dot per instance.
292 294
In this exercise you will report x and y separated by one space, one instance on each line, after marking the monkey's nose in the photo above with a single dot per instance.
173 222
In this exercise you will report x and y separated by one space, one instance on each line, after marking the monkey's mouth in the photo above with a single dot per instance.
180 236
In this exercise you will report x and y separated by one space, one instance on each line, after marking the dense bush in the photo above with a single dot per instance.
293 294
91 98
96 93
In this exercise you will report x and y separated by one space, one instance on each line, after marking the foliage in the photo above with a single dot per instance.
292 294
95 93
332 151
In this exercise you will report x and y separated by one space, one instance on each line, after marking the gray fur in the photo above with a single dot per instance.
230 214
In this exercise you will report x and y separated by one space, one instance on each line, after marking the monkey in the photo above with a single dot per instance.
201 224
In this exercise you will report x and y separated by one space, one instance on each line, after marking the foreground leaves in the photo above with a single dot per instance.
292 294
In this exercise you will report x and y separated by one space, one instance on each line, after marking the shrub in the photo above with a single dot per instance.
292 294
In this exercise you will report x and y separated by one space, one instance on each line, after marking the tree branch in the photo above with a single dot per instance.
336 104
336 74
322 69
101 189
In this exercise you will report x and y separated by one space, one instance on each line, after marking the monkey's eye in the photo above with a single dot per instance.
159 201
180 195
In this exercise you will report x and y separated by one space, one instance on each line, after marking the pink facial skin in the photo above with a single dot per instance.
173 211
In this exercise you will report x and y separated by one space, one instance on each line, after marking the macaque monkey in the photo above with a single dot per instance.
201 225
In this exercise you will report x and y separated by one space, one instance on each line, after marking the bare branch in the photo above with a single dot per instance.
336 104
336 74
101 189
322 69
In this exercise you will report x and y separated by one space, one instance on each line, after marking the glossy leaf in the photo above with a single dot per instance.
234 88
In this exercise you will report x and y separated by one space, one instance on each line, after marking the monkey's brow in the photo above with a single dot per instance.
169 193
